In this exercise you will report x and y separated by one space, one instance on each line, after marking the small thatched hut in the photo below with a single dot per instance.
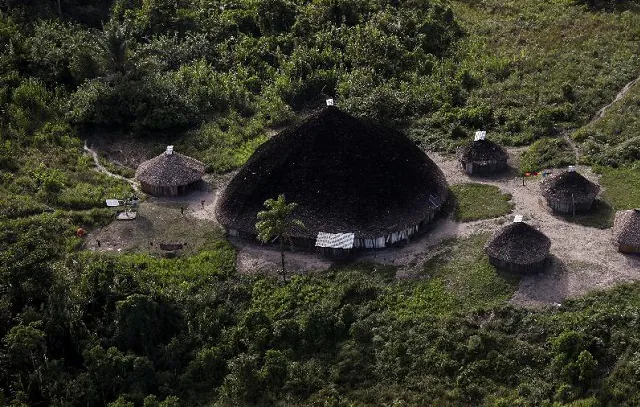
169 174
626 230
569 192
482 156
347 176
519 248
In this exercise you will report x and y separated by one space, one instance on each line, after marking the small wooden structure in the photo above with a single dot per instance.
482 156
335 244
569 192
626 231
519 248
169 174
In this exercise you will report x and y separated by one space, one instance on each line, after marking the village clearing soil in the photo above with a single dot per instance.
584 258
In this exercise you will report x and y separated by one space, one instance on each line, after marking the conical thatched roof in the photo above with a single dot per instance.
347 176
626 228
518 243
569 185
167 170
482 151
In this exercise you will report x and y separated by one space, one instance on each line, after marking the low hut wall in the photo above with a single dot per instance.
360 242
623 248
519 268
485 167
564 206
167 191
334 253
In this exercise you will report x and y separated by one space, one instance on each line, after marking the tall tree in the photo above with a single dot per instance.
276 223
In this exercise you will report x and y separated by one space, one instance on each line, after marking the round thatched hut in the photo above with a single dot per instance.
482 156
169 174
626 230
569 192
356 184
519 248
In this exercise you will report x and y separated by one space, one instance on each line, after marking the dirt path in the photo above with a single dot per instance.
600 114
584 258
102 169
566 135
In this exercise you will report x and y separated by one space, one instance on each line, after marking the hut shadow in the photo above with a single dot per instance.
547 288
507 174
600 216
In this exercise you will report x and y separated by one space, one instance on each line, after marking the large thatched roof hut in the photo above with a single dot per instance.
347 176
482 156
519 248
169 174
569 192
626 230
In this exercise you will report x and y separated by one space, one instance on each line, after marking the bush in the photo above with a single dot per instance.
546 153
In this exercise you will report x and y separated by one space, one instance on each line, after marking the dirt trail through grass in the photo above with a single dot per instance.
600 114
101 168
566 135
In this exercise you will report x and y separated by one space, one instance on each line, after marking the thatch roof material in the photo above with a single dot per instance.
481 151
518 243
167 170
347 176
569 186
626 228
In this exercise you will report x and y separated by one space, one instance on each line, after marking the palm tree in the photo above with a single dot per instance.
275 223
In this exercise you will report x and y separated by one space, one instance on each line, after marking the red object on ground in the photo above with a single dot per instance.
535 174
80 232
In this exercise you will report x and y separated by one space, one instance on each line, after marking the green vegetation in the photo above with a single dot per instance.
547 153
458 278
217 79
532 69
142 330
614 140
622 187
475 201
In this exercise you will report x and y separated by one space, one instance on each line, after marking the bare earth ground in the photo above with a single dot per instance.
160 220
584 258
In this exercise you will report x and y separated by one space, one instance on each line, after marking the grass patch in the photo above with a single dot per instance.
547 153
536 68
622 187
475 201
614 140
459 279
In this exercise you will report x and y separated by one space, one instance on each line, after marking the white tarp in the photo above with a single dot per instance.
335 240
113 203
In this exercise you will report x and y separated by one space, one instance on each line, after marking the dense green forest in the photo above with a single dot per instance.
216 78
